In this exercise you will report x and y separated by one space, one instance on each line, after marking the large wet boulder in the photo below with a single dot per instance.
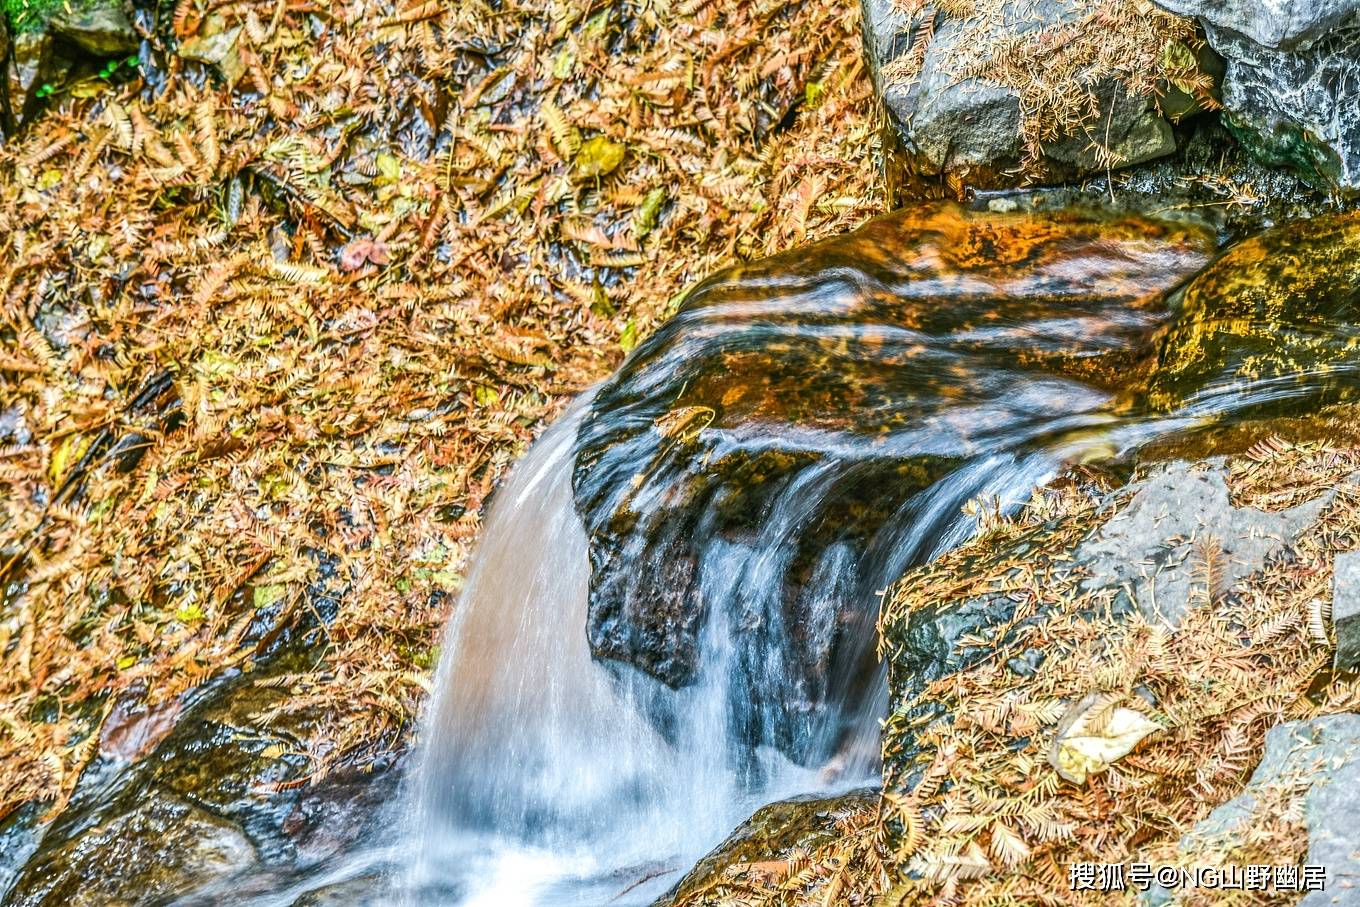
999 648
1270 326
215 808
765 462
1266 331
961 112
1292 75
161 849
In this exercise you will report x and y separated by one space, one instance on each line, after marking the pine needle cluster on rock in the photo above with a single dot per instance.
1080 71
977 813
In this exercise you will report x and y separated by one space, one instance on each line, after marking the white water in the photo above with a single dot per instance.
542 781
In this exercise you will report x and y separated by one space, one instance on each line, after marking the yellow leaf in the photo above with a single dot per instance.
88 88
267 594
67 454
598 157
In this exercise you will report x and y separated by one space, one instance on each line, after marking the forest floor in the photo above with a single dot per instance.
274 328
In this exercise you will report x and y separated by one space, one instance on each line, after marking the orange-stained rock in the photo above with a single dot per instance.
800 405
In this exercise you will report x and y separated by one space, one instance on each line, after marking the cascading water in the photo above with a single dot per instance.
544 781
670 619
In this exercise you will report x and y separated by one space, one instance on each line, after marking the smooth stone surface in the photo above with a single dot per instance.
1147 548
1321 757
176 846
364 891
1269 328
1346 610
101 29
816 398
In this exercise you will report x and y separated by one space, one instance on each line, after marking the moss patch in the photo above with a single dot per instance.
31 15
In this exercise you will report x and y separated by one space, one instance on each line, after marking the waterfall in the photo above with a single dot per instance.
542 778
671 617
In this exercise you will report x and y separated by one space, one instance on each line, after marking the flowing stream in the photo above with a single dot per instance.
543 781
670 620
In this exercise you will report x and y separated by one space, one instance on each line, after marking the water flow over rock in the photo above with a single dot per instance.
817 421
671 619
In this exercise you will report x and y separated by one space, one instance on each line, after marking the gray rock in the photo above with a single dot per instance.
971 128
1322 758
14 427
1269 23
30 65
1292 77
1346 610
1146 548
101 29
1297 108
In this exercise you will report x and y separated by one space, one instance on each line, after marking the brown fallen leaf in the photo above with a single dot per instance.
363 251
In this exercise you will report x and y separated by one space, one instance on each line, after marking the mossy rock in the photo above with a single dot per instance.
164 848
772 833
1272 326
220 809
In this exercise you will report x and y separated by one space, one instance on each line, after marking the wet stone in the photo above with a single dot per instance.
209 804
364 891
772 833
31 64
1291 75
1268 329
805 405
1299 22
970 127
176 845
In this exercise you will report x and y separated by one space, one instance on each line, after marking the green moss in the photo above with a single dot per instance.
1284 144
28 15
31 15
